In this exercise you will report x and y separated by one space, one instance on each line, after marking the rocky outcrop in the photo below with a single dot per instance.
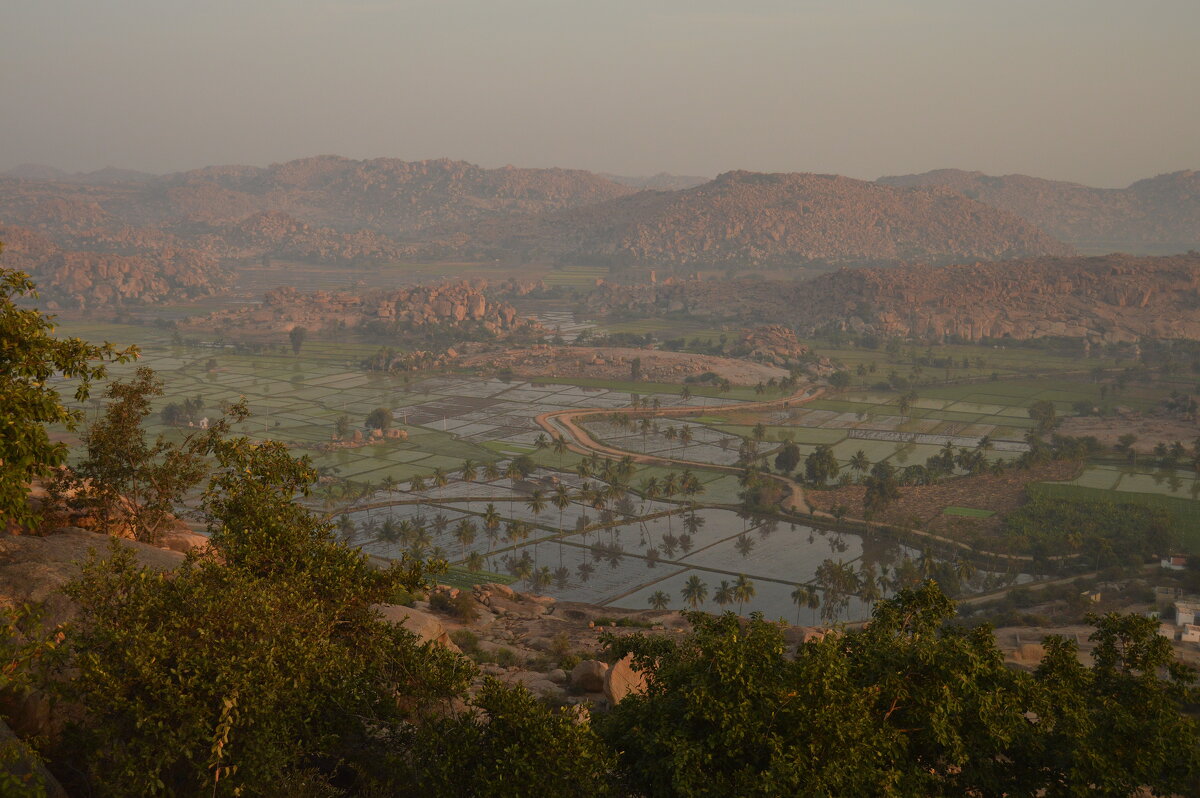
113 271
622 679
35 568
459 306
426 626
1160 211
588 675
773 343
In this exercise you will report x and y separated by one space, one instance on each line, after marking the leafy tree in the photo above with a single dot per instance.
882 488
821 465
379 418
1044 414
30 358
511 744
907 705
251 667
127 479
840 380
342 426
788 458
296 337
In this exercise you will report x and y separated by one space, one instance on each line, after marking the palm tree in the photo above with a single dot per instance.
585 571
491 472
562 577
724 594
542 577
440 480
512 472
859 462
659 600
464 533
800 599
743 591
560 447
468 472
416 484
685 436
536 504
491 523
474 562
694 591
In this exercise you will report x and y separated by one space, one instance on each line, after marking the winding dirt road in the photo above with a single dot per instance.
564 423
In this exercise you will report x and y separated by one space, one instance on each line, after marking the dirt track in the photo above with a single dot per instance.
563 422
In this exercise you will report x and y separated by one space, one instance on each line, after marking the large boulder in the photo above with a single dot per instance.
535 682
621 680
589 675
424 625
35 567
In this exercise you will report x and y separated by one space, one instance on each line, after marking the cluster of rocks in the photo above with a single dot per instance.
112 269
524 626
461 306
357 439
772 343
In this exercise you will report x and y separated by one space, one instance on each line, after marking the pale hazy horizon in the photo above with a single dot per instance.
1098 92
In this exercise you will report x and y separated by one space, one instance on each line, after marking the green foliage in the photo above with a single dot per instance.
379 418
1106 533
1044 415
788 458
908 705
248 664
127 479
821 466
30 357
513 746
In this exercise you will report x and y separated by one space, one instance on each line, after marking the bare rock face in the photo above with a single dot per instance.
35 568
589 675
424 625
621 680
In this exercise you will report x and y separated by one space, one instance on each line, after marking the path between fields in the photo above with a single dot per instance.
563 422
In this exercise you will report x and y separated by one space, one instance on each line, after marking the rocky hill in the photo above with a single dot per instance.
1108 298
1104 299
398 198
1161 211
753 218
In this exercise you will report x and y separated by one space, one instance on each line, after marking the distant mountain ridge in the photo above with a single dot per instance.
1162 210
756 218
336 210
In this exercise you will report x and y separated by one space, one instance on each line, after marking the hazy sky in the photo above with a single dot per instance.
1099 91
